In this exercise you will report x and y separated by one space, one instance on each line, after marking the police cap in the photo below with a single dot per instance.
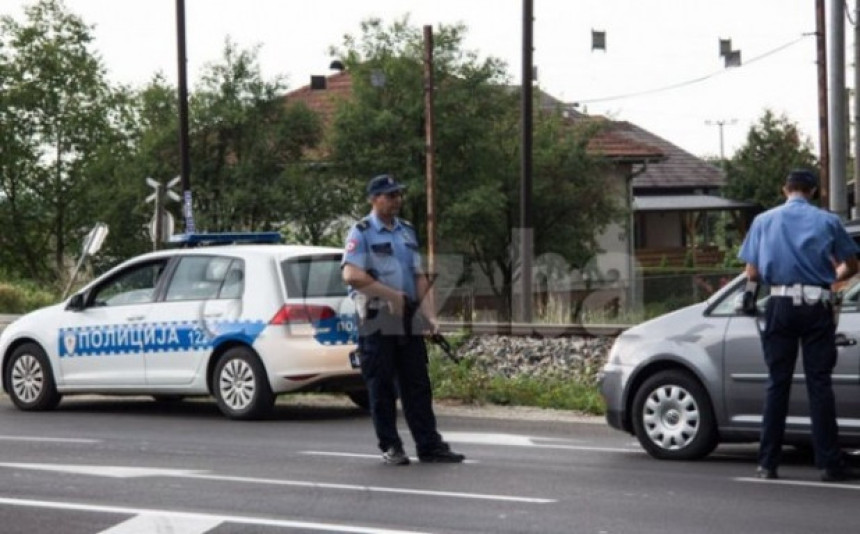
802 177
384 183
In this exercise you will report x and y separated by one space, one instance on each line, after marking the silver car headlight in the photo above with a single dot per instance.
620 350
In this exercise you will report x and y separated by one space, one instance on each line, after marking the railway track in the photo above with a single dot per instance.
535 329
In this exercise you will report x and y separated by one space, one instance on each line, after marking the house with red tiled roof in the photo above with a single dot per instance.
665 188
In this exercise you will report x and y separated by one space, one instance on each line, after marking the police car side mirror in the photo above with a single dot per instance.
76 303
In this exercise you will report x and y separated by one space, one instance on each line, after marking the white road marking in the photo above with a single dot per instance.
105 470
328 527
376 489
587 448
48 440
364 456
811 484
134 472
517 440
514 440
149 523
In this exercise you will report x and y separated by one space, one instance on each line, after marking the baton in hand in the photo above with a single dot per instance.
440 341
412 311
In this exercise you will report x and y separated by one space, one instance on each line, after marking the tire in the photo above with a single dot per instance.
240 385
673 417
30 380
360 398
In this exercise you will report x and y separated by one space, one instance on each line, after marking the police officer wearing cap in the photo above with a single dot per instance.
382 266
801 252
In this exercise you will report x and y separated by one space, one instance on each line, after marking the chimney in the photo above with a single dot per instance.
317 82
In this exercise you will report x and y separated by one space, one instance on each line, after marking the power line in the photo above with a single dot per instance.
694 80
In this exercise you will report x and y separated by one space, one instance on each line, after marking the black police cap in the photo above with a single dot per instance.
802 176
384 183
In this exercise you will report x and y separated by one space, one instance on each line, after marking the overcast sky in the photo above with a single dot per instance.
661 69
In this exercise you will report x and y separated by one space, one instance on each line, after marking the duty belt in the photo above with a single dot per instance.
801 293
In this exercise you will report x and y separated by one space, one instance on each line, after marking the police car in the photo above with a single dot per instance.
242 320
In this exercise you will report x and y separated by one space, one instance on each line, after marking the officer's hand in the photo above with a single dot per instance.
748 303
397 306
431 326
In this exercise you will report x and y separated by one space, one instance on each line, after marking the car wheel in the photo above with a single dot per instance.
673 418
241 387
360 398
29 379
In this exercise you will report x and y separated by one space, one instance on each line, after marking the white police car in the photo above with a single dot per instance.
242 322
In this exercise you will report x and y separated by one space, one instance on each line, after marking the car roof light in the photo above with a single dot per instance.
224 238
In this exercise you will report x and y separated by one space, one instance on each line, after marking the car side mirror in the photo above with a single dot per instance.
76 303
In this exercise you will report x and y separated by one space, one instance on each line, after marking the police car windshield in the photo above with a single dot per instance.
313 276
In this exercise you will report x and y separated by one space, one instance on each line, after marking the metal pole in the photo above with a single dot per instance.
823 117
430 156
856 169
526 225
838 114
159 215
721 124
184 158
722 150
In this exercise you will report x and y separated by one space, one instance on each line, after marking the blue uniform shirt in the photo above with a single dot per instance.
389 255
797 243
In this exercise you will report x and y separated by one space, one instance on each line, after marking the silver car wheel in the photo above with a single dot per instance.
28 378
671 417
237 384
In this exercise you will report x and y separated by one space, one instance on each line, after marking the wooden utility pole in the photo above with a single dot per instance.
430 154
823 119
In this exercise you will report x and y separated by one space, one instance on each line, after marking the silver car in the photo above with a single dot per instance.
696 377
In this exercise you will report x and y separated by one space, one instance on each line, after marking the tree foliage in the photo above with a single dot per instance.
244 141
773 147
56 110
477 149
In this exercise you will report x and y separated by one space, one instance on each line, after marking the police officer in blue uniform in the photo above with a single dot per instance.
382 266
800 251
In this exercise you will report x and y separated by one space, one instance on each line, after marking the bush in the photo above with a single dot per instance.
21 297
467 383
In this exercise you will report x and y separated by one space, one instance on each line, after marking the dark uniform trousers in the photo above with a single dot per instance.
813 327
394 363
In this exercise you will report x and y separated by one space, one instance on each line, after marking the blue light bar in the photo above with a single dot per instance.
224 238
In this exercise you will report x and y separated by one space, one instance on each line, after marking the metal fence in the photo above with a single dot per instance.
648 296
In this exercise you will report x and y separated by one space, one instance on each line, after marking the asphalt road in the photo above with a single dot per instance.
122 466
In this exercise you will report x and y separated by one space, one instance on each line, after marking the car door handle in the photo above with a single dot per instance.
134 318
212 315
844 341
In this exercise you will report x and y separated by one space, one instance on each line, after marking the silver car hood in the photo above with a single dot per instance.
680 325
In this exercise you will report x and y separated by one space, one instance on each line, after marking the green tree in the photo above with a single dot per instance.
56 116
758 169
244 141
381 129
